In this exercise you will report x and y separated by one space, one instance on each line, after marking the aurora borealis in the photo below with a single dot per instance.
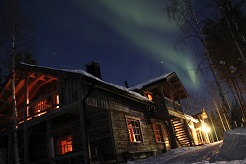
132 40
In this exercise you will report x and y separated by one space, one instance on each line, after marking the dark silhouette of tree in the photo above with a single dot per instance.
186 14
25 57
224 52
221 45
227 12
14 37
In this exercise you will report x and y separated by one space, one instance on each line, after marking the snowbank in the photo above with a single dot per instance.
234 145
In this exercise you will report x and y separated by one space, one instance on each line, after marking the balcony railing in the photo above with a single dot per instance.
34 109
173 105
160 105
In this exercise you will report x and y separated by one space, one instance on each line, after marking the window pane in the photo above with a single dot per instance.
64 144
134 130
158 133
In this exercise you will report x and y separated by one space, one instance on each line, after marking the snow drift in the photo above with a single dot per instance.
234 145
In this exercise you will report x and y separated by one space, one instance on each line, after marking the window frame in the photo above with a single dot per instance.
149 95
139 139
66 137
159 132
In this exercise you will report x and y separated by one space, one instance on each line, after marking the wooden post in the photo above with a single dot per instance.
50 142
169 124
10 147
83 120
83 125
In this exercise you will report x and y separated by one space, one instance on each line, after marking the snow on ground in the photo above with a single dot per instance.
232 150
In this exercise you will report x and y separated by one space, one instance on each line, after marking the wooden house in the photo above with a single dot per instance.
166 92
73 116
202 128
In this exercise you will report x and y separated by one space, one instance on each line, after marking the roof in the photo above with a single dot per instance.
172 77
151 81
87 77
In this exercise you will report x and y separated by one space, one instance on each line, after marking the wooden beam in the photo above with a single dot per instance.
50 142
84 130
170 127
36 88
10 147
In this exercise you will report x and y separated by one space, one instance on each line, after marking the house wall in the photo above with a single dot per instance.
123 145
69 90
100 134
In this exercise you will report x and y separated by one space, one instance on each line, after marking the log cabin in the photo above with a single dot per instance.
202 130
73 116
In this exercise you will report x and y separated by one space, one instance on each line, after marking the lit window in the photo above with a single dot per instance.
57 101
158 133
149 95
64 145
134 130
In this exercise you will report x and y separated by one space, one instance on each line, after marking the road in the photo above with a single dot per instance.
196 154
207 153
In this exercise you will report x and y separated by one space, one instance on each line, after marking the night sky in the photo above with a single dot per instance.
131 39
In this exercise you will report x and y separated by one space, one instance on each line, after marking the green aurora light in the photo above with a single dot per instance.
149 29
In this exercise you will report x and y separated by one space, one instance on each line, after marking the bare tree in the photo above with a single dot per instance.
185 14
226 11
14 36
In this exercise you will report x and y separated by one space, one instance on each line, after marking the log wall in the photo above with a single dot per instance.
121 136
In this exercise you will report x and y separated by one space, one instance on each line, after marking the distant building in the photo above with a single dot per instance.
201 128
73 116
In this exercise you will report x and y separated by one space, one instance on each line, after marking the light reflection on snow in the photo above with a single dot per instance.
223 152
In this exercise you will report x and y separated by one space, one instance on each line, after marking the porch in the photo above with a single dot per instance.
164 106
32 110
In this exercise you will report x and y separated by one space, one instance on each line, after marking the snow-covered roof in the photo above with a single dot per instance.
171 77
84 73
140 86
111 84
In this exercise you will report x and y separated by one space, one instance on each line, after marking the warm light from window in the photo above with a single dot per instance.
158 133
134 130
27 108
150 97
57 101
66 145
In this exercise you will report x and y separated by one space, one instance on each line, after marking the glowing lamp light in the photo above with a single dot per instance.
205 128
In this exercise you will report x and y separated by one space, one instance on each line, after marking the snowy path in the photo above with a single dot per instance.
207 153
231 151
192 155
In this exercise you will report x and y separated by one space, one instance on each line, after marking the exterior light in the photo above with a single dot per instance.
205 128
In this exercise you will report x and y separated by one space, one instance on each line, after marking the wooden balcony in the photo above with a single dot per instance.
172 105
34 109
163 107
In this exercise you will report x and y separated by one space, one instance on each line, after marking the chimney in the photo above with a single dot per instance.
94 69
126 84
